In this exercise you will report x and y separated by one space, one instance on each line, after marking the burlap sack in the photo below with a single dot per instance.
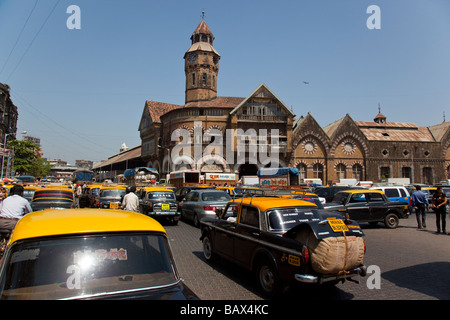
334 254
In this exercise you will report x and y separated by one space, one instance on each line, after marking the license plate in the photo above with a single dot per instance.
337 225
114 205
165 207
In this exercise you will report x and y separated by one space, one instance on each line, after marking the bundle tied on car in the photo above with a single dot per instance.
332 255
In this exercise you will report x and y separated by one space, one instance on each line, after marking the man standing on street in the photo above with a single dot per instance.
14 208
419 202
130 200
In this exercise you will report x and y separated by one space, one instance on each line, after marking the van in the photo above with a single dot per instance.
396 194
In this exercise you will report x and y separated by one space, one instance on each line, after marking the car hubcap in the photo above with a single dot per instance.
266 278
207 248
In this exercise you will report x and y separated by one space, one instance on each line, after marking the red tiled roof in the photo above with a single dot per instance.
222 102
157 109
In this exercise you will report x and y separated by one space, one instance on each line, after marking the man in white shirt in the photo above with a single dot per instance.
130 201
14 208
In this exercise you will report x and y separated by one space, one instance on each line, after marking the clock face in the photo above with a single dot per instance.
193 57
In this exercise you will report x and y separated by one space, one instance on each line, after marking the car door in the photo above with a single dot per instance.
224 232
186 206
378 205
358 207
247 234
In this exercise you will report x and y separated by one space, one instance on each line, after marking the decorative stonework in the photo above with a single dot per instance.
348 146
309 146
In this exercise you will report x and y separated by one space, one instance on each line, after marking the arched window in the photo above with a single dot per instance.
302 171
357 172
341 171
318 171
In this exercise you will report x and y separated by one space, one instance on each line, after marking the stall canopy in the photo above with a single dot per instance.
277 171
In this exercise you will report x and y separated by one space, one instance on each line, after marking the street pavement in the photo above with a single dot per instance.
407 263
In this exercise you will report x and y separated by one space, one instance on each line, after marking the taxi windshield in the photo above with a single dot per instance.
282 220
112 193
80 267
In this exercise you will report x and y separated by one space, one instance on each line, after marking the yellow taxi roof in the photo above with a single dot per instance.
265 203
81 221
362 191
113 187
148 189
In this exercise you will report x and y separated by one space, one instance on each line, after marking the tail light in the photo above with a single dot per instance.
209 208
305 254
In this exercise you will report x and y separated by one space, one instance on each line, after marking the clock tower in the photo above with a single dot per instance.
201 65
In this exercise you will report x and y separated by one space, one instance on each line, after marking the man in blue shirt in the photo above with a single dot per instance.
419 202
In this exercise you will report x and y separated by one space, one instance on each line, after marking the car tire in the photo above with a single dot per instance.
267 278
196 220
208 252
391 221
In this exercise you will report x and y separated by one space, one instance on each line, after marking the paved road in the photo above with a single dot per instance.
414 264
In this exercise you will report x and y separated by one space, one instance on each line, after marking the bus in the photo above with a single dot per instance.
82 175
141 176
184 178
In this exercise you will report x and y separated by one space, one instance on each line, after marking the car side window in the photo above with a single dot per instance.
188 197
375 197
403 193
358 198
230 213
249 216
391 193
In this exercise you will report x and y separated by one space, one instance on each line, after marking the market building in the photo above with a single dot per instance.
239 135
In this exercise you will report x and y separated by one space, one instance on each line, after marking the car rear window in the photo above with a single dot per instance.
75 267
215 196
161 195
282 220
53 196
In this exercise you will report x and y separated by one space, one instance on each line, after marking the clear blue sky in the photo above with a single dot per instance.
82 92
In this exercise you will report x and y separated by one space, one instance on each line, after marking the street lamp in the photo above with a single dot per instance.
3 154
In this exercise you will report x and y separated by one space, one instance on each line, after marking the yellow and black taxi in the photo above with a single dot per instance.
89 254
57 197
371 206
285 241
111 196
160 202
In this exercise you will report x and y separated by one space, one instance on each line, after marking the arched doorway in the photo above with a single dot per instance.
248 170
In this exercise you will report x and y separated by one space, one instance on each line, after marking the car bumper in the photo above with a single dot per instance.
308 278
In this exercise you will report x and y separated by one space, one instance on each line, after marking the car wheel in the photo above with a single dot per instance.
196 220
207 248
391 221
267 278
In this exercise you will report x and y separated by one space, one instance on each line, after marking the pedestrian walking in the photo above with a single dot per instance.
78 192
439 206
420 203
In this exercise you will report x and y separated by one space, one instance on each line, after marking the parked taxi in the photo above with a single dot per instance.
89 254
285 241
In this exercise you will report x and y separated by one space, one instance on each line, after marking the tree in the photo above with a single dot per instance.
27 159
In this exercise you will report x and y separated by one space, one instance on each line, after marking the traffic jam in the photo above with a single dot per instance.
81 240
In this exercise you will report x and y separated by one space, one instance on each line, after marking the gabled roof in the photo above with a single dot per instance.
157 109
259 89
439 130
